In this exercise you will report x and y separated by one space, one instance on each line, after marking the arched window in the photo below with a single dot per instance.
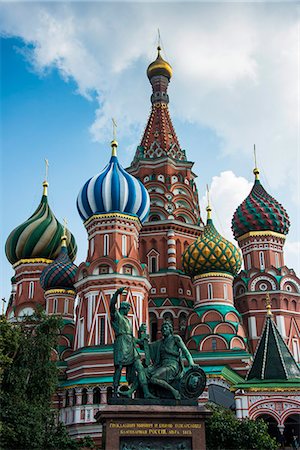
261 260
124 245
96 396
153 264
225 291
20 288
92 246
84 397
154 218
67 399
66 306
249 261
31 289
101 330
74 397
277 260
210 291
55 305
106 245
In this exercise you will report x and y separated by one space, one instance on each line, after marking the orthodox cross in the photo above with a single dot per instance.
3 304
255 160
65 226
46 169
114 129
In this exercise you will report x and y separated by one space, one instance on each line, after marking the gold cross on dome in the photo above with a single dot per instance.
114 129
65 226
46 169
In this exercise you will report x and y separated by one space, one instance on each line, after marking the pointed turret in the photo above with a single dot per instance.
273 359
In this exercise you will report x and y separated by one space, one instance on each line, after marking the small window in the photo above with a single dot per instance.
225 291
249 261
55 305
128 270
106 245
92 246
84 397
104 269
153 264
124 245
96 396
277 260
31 289
66 306
261 260
102 331
210 291
20 288
81 333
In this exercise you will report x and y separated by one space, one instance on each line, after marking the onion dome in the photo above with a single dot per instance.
259 212
211 252
61 273
159 67
39 236
113 190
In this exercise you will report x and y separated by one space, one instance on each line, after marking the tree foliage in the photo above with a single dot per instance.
225 432
29 381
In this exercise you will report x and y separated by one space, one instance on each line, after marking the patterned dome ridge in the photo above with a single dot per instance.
61 273
259 212
113 190
211 252
39 236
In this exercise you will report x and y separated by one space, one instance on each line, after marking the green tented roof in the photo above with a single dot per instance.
273 359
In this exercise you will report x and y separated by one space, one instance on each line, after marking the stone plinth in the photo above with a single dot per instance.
153 427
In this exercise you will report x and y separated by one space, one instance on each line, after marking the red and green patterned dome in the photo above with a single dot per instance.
61 273
211 252
259 212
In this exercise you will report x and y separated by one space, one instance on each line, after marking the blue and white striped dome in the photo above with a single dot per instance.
113 190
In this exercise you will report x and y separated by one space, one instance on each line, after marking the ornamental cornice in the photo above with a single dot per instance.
261 233
112 215
60 291
213 274
32 261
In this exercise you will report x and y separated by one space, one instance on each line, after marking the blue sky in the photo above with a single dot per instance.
66 69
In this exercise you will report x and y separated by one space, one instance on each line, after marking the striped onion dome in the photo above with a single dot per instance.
259 212
211 252
61 273
39 236
113 190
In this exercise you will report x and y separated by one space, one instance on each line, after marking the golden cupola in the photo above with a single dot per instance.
159 67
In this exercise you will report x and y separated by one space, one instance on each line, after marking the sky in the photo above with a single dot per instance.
67 68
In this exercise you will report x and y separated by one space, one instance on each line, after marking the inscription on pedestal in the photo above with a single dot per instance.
156 443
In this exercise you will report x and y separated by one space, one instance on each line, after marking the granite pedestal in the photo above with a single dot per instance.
153 427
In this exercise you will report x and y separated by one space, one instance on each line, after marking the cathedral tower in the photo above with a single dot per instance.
173 223
260 225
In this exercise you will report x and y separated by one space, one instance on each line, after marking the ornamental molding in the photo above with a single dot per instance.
261 233
214 274
262 278
60 291
289 280
112 215
32 261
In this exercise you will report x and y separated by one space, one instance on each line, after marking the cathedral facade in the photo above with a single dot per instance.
145 233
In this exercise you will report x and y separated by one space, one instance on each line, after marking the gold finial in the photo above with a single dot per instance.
208 208
255 170
45 183
64 236
268 305
114 143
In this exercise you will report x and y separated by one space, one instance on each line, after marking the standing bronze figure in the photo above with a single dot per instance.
125 351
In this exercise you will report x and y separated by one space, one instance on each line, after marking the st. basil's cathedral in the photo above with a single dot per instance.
145 233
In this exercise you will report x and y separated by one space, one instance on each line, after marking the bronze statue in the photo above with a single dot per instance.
125 351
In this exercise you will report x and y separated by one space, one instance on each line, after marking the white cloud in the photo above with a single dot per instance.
227 191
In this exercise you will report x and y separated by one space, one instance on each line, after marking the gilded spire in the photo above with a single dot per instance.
114 143
64 236
208 208
45 183
268 305
255 170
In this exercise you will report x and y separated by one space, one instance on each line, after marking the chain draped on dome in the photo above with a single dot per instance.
39 236
259 212
61 273
113 190
211 252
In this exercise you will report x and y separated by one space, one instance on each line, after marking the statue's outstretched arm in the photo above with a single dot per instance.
114 300
185 351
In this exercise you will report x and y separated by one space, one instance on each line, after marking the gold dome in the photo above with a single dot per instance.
159 67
